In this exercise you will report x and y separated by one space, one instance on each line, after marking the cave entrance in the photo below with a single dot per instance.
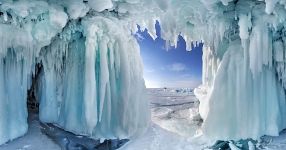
32 99
171 74
167 66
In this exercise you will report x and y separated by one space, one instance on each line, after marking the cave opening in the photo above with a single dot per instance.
32 99
169 66
171 74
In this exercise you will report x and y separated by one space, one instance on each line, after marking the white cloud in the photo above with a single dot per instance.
149 70
187 75
177 67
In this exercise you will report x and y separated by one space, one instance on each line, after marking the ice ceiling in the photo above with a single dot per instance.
92 81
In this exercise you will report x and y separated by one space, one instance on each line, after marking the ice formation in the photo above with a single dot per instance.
243 94
92 82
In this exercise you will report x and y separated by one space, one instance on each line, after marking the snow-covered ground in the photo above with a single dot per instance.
42 136
34 139
175 110
175 122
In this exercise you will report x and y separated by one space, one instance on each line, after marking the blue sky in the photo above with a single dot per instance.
175 67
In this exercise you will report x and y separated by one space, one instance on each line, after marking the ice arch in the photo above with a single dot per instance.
84 46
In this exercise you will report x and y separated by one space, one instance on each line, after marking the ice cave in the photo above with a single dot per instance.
79 62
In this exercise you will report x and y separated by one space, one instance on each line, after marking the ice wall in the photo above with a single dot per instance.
94 85
255 106
243 92
13 110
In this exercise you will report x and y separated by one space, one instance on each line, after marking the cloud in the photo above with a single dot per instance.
149 70
187 75
177 67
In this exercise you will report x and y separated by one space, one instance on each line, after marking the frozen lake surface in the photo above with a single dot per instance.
175 110
175 122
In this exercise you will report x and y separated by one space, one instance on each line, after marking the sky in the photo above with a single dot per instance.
175 67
